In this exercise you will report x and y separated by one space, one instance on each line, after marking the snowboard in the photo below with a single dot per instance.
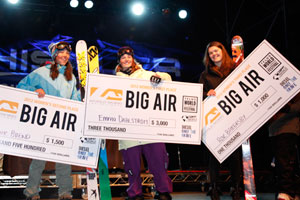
104 184
92 185
82 67
237 47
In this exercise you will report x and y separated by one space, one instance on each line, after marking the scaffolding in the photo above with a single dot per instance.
116 179
120 179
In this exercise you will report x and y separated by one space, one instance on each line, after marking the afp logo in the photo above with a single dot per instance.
108 94
211 116
8 106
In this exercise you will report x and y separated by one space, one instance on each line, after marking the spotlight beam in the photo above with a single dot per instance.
89 4
137 9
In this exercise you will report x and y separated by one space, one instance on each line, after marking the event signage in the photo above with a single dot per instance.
262 84
48 128
136 109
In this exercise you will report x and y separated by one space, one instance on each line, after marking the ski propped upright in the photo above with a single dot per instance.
93 60
82 62
82 66
104 184
237 47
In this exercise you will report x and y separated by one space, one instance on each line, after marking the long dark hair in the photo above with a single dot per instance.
68 72
227 63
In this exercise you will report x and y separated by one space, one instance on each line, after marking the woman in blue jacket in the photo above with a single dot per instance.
56 79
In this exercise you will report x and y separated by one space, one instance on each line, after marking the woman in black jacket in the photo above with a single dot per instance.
218 66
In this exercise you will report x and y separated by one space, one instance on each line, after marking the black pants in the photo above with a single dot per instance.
234 162
286 163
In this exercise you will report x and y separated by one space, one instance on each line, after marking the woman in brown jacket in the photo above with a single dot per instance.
218 66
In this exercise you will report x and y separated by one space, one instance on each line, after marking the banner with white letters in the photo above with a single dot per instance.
262 84
48 128
135 109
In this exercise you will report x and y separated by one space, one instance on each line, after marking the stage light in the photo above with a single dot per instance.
13 1
74 3
88 4
166 11
182 14
137 8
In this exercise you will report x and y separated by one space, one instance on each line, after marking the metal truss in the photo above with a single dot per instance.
188 176
118 179
199 177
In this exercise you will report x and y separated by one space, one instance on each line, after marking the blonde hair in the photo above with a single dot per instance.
134 66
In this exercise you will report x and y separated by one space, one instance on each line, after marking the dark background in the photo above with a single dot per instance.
274 20
111 20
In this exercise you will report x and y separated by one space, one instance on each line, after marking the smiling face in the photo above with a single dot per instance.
215 54
126 61
62 57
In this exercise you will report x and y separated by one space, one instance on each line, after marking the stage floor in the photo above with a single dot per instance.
202 196
12 194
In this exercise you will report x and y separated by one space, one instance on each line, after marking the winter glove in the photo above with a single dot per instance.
155 79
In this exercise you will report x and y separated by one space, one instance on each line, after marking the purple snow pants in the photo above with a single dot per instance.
157 160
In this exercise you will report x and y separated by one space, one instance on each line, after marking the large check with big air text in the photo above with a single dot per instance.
48 128
262 84
135 109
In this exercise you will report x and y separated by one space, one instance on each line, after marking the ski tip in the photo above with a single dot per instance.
93 48
236 40
80 42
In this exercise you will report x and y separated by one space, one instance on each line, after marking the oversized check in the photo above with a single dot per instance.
262 84
134 109
48 128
